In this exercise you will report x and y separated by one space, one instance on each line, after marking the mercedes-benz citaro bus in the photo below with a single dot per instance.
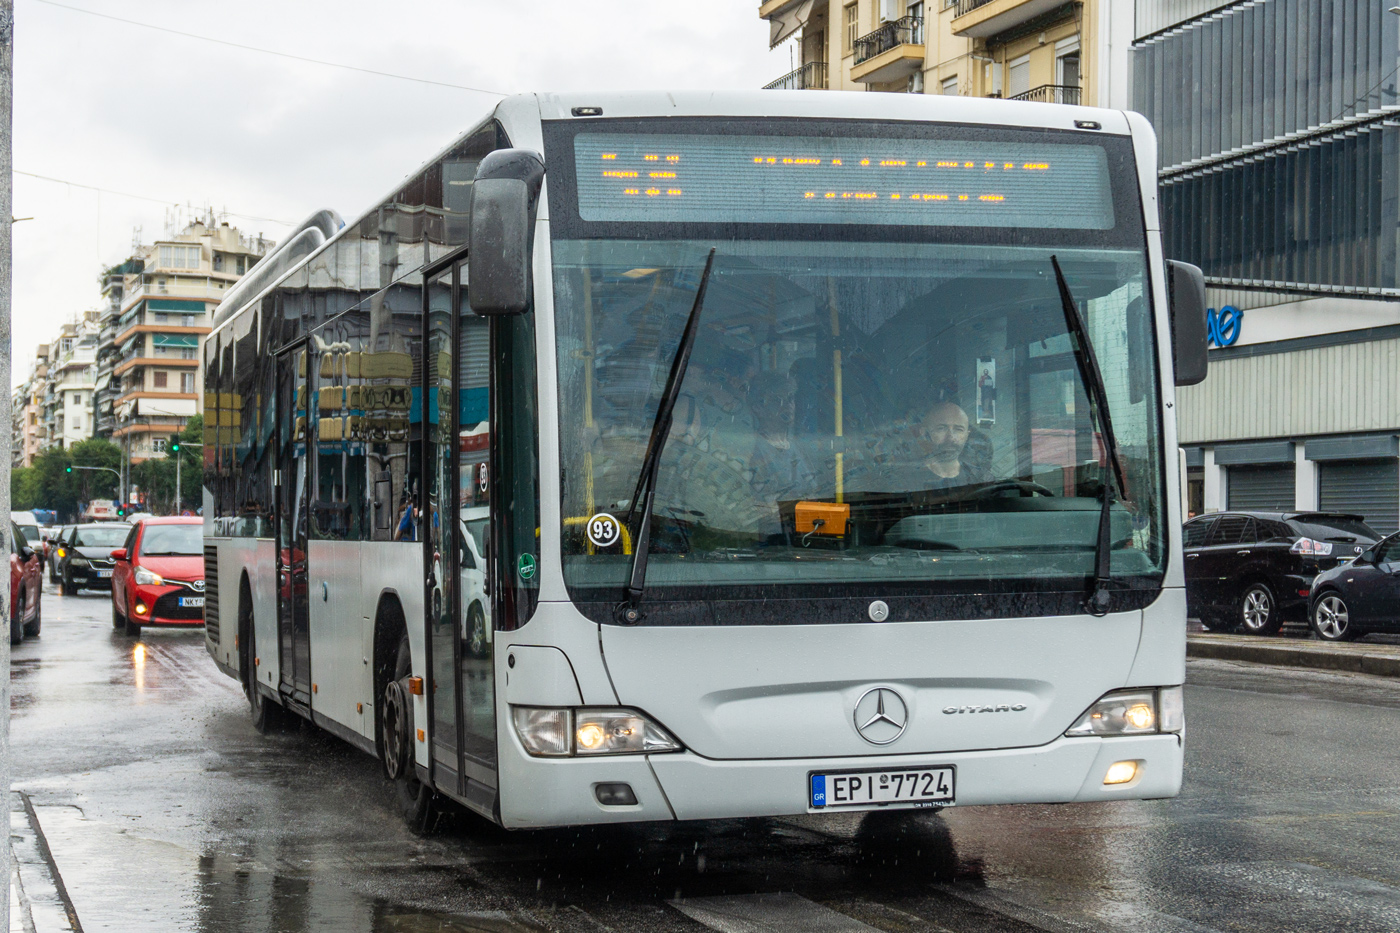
673 456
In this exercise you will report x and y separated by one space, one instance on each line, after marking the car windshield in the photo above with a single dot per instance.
103 536
31 533
1335 528
172 540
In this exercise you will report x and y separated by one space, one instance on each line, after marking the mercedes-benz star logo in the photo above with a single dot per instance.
881 716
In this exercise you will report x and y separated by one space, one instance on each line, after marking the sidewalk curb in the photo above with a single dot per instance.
1375 660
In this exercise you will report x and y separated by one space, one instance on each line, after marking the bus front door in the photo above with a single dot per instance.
457 365
293 610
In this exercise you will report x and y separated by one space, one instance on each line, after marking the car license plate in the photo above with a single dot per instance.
103 574
906 786
191 602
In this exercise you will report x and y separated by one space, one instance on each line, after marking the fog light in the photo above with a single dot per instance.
141 609
1120 772
615 795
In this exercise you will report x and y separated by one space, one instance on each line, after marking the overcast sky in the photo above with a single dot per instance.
189 122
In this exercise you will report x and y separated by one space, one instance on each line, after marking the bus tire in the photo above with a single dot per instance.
268 716
416 801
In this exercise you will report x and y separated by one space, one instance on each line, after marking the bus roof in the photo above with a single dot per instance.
812 105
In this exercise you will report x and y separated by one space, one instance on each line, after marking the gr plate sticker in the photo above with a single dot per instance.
526 566
604 530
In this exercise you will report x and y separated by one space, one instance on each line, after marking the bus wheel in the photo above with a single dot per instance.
416 800
267 715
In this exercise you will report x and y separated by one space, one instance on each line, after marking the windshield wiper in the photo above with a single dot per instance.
1097 601
645 493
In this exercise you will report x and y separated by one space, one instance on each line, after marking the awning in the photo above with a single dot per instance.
787 21
175 340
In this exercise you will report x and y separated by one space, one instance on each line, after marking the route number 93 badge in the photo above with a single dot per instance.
604 530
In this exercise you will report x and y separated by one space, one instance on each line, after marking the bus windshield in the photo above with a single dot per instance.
902 414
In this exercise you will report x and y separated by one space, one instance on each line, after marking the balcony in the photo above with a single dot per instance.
810 77
1051 94
978 19
894 51
210 289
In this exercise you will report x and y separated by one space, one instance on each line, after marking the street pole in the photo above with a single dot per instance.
7 213
178 458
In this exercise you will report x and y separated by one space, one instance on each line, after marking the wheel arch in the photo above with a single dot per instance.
390 625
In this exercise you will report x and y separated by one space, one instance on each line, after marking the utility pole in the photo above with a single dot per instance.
7 213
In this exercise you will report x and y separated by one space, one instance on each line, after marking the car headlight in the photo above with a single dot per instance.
78 561
1133 712
559 733
145 577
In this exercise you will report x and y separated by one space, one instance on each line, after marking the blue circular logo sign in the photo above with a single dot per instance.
1223 327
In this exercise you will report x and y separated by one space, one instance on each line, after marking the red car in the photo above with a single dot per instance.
159 576
26 587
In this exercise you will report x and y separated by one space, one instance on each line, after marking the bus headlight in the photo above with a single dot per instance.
1132 712
619 732
559 733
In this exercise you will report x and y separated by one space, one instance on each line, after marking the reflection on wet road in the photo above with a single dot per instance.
164 810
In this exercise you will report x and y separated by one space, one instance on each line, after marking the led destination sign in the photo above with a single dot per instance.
790 179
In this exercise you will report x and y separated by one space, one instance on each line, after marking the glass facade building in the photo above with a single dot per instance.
1278 155
1278 124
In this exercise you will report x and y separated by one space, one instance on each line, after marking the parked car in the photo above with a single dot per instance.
159 577
26 587
1359 596
1253 571
85 558
56 539
33 531
476 630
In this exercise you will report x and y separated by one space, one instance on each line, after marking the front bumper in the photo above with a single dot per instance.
539 792
87 577
163 606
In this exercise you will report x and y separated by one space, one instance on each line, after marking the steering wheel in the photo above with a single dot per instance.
1026 489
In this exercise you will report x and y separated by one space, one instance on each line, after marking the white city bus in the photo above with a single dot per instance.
766 454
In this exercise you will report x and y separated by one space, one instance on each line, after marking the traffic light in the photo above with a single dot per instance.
68 468
121 511
174 443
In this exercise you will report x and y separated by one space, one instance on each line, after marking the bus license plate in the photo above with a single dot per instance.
103 574
191 602
911 786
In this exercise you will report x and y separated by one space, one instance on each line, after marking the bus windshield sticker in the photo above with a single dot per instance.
604 530
525 566
670 178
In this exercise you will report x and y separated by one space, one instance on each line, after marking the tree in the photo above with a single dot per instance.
49 484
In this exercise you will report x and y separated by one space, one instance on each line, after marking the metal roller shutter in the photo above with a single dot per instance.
1366 487
1261 488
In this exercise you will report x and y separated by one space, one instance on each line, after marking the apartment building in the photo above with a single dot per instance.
105 388
165 304
70 378
1041 50
27 414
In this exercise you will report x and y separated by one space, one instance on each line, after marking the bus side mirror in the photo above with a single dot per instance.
504 198
1186 288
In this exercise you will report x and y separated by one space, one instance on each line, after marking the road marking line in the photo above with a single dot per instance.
767 913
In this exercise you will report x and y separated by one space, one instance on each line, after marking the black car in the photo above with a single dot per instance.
85 556
55 542
1360 596
1253 571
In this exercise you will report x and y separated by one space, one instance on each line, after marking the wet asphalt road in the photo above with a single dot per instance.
164 810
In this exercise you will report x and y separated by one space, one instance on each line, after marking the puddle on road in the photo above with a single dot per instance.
120 881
